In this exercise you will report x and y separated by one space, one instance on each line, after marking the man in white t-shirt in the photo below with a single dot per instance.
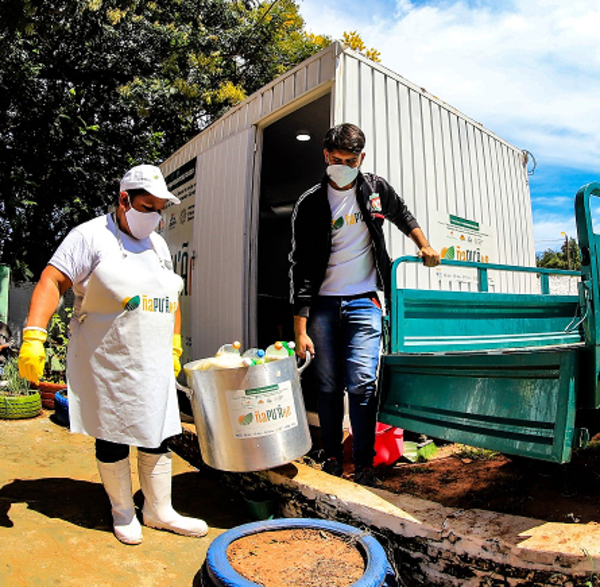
339 262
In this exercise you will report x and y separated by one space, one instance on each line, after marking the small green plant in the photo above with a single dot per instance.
475 454
56 346
13 384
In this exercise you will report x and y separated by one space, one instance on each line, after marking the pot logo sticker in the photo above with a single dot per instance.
130 304
262 411
246 420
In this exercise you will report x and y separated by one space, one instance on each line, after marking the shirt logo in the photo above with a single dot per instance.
348 220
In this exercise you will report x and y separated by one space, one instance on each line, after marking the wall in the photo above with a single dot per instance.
442 163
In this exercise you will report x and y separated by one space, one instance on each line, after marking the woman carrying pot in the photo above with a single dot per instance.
124 348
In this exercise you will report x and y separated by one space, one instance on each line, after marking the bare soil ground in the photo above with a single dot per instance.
296 558
464 477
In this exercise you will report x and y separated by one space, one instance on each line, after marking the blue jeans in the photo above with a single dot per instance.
346 333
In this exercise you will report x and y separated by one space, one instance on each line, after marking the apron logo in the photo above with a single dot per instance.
130 304
375 202
161 305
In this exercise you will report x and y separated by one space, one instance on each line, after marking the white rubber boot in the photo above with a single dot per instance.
155 479
116 478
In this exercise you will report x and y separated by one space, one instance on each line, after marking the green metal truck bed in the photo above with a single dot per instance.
500 371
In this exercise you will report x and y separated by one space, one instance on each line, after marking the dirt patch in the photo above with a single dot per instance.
463 477
296 558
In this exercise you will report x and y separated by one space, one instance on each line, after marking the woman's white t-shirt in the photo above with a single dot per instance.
89 243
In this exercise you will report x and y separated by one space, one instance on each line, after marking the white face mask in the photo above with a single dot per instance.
342 175
141 224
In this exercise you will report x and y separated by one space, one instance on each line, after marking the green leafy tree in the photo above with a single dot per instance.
563 259
89 88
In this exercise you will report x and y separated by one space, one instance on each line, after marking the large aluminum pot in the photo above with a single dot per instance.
252 418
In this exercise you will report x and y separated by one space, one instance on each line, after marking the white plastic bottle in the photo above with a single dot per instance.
233 349
254 356
290 346
275 352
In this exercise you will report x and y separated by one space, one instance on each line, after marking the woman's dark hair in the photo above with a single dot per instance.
345 137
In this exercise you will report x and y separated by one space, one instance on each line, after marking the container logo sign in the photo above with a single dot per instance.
461 239
262 411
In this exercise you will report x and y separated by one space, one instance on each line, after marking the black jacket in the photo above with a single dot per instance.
311 235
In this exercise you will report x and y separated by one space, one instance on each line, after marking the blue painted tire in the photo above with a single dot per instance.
61 407
217 572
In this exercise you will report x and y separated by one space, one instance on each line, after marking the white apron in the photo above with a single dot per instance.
120 355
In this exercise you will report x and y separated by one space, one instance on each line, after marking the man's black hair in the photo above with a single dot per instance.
345 137
134 193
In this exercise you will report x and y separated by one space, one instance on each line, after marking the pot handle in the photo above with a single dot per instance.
187 390
306 363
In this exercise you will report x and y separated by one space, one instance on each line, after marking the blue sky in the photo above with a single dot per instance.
529 70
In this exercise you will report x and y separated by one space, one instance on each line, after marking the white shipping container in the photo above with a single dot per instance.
240 177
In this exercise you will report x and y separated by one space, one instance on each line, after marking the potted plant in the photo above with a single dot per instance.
17 399
54 379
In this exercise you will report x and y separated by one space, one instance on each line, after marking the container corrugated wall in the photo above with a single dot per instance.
224 220
440 161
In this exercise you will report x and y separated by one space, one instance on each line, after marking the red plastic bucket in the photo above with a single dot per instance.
389 445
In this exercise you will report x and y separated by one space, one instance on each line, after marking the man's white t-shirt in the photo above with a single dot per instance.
351 268
89 243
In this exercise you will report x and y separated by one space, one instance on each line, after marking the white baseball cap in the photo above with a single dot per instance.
149 178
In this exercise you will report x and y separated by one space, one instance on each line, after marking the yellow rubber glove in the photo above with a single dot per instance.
32 356
177 350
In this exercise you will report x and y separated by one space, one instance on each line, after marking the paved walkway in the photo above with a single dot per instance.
55 522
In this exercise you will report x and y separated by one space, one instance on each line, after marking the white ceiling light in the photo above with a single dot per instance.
303 136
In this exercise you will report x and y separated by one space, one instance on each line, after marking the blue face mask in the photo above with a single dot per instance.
342 175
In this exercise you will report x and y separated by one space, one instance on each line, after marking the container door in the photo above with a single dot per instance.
291 163
177 227
209 235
